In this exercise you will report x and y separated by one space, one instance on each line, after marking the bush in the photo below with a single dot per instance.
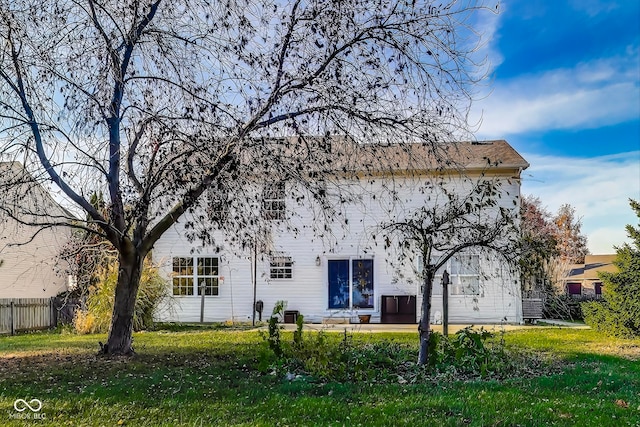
96 317
84 322
329 357
612 319
619 314
471 353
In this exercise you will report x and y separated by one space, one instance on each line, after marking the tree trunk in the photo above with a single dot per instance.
129 273
424 327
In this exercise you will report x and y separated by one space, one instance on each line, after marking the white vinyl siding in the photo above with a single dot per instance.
313 244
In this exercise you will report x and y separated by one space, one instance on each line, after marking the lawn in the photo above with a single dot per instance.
211 377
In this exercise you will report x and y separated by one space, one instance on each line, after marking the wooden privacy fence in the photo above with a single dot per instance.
26 314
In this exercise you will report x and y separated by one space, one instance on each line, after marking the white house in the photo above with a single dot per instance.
344 270
28 254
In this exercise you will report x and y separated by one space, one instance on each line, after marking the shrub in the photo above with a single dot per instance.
84 322
466 351
613 318
329 357
619 314
96 317
274 327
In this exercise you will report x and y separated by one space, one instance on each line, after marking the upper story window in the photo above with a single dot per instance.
195 275
281 267
273 204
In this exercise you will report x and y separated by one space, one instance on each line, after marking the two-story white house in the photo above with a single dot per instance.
342 268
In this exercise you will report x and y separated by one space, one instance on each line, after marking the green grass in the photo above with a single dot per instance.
207 377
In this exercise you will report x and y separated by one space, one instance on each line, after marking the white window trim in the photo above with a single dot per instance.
437 278
453 278
277 189
176 275
195 276
284 260
351 258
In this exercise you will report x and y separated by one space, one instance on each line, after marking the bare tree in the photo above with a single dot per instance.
451 223
168 106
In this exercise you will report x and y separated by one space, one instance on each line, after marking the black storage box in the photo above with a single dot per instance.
291 316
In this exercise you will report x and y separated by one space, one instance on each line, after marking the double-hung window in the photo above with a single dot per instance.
464 275
280 267
273 201
195 276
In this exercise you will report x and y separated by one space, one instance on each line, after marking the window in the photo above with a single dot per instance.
350 283
207 276
280 267
273 205
464 275
574 288
464 278
188 280
183 276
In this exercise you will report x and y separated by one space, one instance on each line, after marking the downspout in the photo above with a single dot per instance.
255 282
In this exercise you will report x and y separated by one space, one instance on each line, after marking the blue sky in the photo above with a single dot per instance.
565 93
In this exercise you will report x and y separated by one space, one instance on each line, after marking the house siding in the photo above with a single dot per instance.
352 234
29 270
29 253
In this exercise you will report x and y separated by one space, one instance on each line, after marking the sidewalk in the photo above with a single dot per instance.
562 324
413 328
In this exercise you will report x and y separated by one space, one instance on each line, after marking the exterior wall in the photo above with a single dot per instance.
29 260
351 235
28 253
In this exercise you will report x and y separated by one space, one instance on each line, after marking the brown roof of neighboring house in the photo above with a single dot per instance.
593 264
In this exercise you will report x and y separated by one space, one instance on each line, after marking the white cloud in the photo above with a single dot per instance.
590 95
487 26
599 189
594 7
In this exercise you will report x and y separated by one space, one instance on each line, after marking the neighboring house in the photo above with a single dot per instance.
28 254
582 279
348 272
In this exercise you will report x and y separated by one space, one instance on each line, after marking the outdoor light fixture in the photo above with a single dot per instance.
318 261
